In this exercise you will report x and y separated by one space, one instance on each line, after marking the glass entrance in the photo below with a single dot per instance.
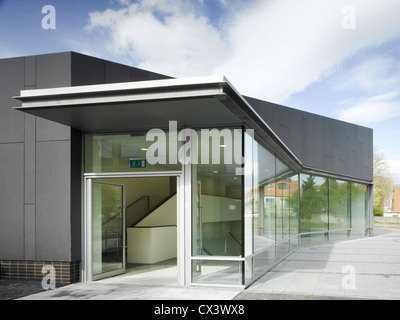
108 229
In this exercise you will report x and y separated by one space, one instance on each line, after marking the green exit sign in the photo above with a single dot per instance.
137 163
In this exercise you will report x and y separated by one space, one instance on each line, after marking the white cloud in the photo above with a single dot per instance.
372 110
164 36
378 72
269 49
279 48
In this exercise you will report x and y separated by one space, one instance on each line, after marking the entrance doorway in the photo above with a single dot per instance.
132 228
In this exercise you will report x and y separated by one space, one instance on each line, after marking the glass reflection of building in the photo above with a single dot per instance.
282 209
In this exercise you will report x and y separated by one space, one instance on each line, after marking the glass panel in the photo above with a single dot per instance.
130 153
339 204
217 272
249 194
107 227
313 203
282 249
359 233
264 176
359 206
313 238
287 203
264 261
294 242
338 235
217 199
294 205
249 270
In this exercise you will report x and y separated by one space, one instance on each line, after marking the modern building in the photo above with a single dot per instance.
105 166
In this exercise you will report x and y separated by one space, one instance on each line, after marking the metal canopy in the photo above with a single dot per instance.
132 106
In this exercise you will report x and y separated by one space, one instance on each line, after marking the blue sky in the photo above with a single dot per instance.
337 58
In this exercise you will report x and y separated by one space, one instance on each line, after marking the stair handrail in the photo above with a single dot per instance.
134 202
154 208
228 233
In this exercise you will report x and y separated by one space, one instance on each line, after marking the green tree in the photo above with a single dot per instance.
313 203
383 182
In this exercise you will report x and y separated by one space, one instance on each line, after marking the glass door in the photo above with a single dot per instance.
108 229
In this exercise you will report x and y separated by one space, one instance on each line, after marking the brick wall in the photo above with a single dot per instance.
65 272
396 199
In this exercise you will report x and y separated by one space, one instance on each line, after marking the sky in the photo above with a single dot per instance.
336 58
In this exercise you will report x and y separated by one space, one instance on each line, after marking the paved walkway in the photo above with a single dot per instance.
367 268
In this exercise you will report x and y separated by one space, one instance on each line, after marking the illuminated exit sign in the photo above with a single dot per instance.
137 163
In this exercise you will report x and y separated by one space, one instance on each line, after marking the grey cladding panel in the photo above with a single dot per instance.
53 187
157 76
30 71
12 201
30 158
49 130
53 70
86 70
11 82
326 137
317 141
30 231
283 117
115 72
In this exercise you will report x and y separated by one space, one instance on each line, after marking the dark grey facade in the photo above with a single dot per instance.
320 143
41 161
40 193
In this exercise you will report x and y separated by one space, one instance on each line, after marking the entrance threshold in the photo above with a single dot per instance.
162 273
152 244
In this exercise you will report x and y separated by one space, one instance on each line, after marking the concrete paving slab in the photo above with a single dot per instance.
367 268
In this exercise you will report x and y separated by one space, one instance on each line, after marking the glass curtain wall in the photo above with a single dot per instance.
339 209
244 224
359 213
271 209
217 235
130 153
331 209
313 208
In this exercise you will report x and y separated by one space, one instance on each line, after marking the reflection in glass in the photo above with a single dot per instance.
114 152
217 272
313 203
339 204
264 175
359 216
264 260
217 207
249 195
107 227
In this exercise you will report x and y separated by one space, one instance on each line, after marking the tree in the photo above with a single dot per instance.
313 202
383 183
